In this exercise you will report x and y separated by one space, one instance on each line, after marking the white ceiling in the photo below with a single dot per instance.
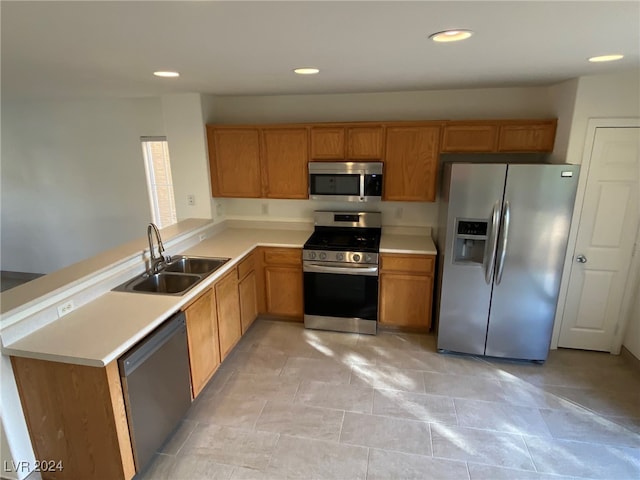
90 48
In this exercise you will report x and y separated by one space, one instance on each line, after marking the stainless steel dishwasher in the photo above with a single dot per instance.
156 385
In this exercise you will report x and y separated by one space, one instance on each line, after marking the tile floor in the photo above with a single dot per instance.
291 403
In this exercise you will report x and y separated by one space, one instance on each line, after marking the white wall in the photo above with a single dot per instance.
185 130
597 96
602 96
534 102
564 102
73 181
421 105
414 214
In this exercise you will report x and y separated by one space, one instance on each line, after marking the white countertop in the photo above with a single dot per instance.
412 244
102 330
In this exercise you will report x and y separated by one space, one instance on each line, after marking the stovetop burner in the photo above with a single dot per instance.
340 239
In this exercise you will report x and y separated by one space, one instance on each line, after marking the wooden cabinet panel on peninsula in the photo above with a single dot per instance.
228 311
234 159
283 282
284 157
406 290
76 416
411 163
347 142
202 339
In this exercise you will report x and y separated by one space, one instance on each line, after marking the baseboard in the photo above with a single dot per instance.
630 358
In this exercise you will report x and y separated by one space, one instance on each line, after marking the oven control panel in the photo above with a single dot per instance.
340 257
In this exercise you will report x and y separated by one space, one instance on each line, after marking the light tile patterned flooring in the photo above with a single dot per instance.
291 403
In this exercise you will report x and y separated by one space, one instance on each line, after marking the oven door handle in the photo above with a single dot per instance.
320 268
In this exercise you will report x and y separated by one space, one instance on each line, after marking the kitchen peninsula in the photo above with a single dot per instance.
66 368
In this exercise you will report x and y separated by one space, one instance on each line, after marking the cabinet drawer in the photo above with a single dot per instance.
246 266
283 256
407 263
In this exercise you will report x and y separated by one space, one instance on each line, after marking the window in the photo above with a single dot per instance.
159 182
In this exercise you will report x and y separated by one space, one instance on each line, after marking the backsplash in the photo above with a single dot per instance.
410 214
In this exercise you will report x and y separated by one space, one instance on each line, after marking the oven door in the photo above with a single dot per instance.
339 297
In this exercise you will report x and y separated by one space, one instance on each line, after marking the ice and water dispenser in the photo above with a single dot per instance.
470 241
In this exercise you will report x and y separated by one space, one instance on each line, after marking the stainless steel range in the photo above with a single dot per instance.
340 264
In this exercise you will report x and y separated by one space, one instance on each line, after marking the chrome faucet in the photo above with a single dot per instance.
155 262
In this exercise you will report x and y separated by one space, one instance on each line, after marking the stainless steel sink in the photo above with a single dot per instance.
166 283
176 277
197 265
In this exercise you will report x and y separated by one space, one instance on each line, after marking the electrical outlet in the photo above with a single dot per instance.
399 212
218 209
65 308
265 209
202 236
191 199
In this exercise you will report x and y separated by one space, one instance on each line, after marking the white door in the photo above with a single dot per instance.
605 241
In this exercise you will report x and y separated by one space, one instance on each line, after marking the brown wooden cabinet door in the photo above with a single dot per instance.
228 306
327 143
527 138
202 338
283 286
283 281
411 163
364 143
234 159
248 300
469 138
405 300
285 157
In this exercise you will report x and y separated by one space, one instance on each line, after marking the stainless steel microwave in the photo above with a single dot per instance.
345 181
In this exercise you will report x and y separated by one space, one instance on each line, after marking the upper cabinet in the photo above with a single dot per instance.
271 161
285 157
364 143
498 136
327 143
341 142
527 137
469 137
254 162
234 157
411 163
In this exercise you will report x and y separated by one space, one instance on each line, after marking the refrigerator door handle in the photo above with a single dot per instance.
504 234
490 251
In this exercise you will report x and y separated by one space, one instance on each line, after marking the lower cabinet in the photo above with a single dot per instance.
248 290
202 338
283 282
228 310
406 290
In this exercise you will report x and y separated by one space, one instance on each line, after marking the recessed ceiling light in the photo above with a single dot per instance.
166 74
306 71
606 58
451 35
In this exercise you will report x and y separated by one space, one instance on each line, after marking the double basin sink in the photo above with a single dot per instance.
176 277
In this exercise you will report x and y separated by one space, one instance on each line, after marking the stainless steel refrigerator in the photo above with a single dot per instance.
502 239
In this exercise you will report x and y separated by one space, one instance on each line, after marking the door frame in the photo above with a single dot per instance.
633 277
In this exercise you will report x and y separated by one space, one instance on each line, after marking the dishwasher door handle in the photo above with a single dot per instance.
131 361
